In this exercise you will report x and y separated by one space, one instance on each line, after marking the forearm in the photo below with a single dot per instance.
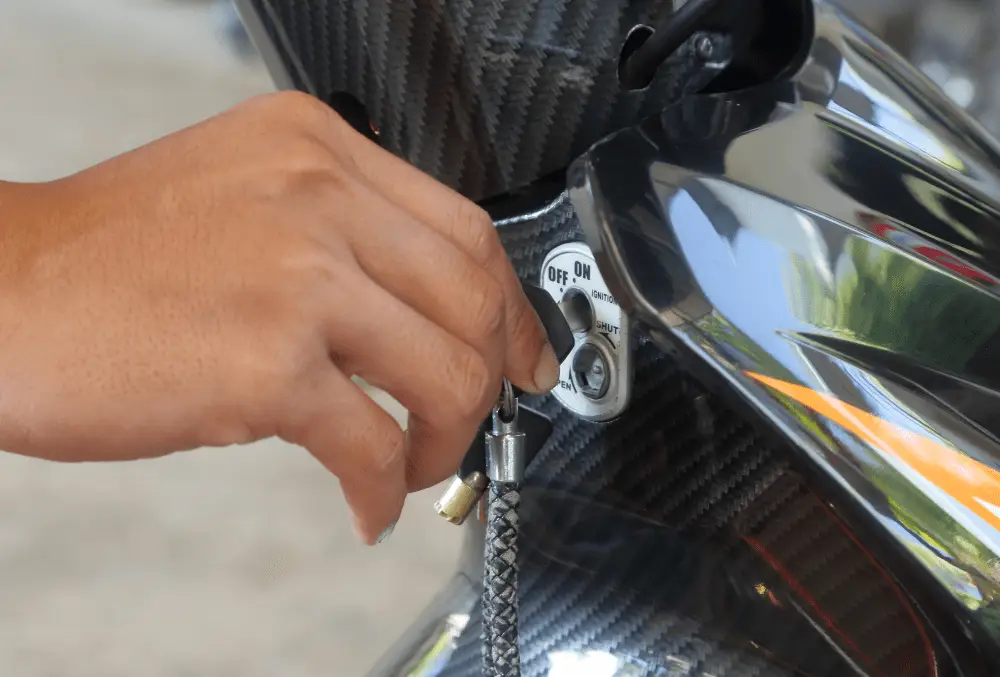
15 222
21 209
11 253
27 212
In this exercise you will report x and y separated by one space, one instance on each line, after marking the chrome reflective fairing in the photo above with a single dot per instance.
830 245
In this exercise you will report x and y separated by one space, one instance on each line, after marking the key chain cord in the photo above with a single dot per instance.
501 656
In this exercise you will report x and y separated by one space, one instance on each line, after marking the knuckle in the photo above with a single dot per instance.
477 229
309 157
525 327
316 273
487 308
305 172
307 169
386 449
316 173
472 385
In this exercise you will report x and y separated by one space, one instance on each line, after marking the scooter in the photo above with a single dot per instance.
775 445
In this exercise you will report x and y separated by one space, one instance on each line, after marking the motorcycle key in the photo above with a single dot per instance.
505 442
466 489
470 483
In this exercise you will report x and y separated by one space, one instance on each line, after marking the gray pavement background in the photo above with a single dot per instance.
238 561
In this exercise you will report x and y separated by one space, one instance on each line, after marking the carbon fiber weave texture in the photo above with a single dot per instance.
485 95
649 539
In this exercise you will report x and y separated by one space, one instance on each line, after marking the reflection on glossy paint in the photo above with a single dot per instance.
954 578
439 648
926 249
972 484
583 664
888 116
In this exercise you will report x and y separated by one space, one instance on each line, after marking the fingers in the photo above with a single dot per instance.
529 360
359 443
425 465
431 275
434 277
445 384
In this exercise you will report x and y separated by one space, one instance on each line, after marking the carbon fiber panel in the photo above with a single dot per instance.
485 95
677 541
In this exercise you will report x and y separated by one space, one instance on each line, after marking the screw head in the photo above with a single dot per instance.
590 369
704 48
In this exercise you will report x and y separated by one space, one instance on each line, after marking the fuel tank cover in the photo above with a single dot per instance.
595 382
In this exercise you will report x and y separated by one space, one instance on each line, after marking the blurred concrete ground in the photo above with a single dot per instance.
234 562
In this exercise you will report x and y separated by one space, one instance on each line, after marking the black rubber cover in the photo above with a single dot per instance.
553 320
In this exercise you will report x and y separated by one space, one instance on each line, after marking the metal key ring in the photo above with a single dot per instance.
507 404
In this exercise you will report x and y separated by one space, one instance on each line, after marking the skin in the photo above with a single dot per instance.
221 285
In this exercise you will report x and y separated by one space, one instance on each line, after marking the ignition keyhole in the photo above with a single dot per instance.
578 311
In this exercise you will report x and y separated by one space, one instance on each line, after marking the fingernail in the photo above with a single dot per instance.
547 369
386 532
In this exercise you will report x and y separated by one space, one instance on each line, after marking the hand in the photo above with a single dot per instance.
222 284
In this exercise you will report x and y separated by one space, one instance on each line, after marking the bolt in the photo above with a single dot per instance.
704 48
591 371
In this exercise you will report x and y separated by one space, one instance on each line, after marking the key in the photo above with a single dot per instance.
505 447
552 315
513 434
467 487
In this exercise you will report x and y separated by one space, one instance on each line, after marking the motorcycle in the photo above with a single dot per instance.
775 446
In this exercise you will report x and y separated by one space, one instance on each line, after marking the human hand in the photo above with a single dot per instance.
221 286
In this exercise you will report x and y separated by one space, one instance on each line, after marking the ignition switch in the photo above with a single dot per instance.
596 381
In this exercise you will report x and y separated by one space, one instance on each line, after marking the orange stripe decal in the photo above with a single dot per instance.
968 481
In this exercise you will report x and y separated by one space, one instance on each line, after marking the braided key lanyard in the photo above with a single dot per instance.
505 460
